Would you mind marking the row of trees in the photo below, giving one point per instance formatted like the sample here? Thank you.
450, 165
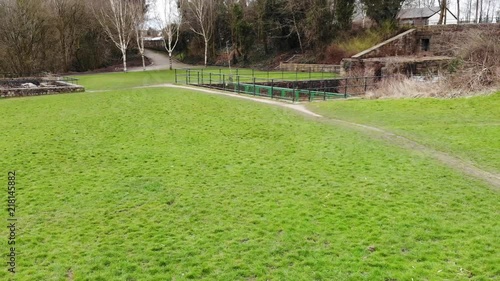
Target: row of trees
271, 24
75, 35
67, 35
280, 25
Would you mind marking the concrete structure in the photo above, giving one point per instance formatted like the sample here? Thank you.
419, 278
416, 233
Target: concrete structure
421, 51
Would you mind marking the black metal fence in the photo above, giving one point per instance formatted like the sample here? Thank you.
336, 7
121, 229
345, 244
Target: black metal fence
303, 87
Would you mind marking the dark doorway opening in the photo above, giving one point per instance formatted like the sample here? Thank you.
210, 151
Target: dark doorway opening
425, 44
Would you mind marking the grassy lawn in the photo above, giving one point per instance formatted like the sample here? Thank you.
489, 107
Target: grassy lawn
467, 127
120, 80
159, 184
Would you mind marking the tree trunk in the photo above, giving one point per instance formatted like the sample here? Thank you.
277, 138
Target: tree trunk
206, 52
143, 62
481, 12
124, 57
477, 11
170, 59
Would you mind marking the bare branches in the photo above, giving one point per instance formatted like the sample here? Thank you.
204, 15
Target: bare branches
170, 21
203, 24
117, 19
138, 24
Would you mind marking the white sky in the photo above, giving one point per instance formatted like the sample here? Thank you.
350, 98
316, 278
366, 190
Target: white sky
157, 9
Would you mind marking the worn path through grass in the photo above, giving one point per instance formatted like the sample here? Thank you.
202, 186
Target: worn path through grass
493, 178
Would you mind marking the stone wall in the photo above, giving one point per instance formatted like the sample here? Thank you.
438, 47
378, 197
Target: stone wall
421, 51
310, 67
59, 87
442, 38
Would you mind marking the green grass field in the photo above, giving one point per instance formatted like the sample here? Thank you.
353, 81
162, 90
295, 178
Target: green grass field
466, 127
169, 184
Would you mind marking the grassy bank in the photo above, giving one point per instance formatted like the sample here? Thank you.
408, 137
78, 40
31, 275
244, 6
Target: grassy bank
163, 184
467, 127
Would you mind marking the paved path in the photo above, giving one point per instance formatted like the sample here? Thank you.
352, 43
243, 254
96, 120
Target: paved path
466, 167
160, 60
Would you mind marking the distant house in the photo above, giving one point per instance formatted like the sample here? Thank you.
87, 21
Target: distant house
424, 16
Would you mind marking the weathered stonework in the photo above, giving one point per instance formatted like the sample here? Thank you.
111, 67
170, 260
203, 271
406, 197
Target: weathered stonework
8, 88
443, 37
299, 67
421, 51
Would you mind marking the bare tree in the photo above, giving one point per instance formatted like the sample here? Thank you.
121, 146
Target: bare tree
23, 34
296, 10
68, 20
443, 10
203, 24
139, 22
170, 21
116, 17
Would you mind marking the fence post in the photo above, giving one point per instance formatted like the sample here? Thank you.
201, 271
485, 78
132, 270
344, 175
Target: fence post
175, 71
345, 88
272, 88
309, 73
198, 77
202, 76
324, 90
210, 79
365, 84
253, 72
254, 88
187, 76
224, 81
236, 71
238, 79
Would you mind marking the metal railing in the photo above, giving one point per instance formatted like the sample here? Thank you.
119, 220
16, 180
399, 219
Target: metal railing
301, 88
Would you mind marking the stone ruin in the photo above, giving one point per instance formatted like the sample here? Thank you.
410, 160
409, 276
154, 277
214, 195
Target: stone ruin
36, 86
423, 51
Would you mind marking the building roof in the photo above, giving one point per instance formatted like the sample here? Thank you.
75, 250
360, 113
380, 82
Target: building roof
153, 38
414, 13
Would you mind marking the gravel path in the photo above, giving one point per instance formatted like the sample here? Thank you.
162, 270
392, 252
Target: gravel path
160, 60
466, 167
